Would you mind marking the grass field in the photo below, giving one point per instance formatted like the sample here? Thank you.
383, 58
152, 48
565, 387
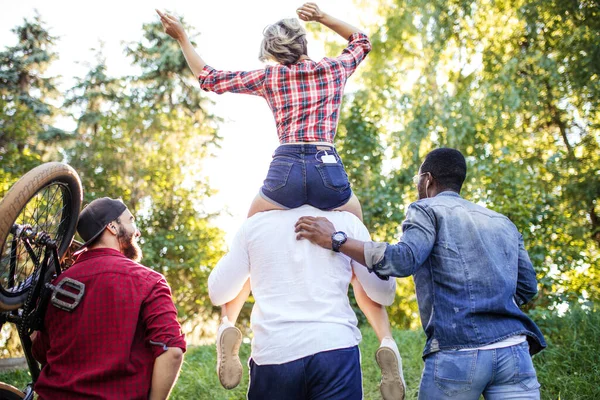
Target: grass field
568, 370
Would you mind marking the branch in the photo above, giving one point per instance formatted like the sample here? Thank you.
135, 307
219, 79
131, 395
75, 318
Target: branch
555, 114
595, 224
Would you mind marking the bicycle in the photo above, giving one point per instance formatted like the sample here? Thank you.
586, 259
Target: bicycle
38, 218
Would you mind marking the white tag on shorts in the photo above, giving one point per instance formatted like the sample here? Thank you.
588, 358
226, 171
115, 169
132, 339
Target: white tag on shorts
329, 159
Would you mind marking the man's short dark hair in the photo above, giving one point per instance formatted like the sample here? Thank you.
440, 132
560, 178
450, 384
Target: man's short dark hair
448, 167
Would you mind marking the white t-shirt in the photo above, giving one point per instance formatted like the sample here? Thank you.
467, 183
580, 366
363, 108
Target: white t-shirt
510, 341
300, 289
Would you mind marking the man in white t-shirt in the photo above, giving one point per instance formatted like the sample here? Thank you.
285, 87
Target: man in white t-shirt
306, 338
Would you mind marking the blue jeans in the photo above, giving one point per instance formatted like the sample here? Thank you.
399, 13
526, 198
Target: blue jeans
298, 175
333, 375
498, 374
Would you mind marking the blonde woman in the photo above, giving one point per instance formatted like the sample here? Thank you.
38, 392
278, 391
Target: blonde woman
305, 98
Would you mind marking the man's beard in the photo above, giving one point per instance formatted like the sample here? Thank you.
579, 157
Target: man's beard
129, 246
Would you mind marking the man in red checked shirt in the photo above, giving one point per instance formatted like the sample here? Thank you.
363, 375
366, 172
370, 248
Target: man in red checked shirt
122, 341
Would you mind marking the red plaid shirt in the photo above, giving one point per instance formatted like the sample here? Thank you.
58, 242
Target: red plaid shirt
105, 348
305, 97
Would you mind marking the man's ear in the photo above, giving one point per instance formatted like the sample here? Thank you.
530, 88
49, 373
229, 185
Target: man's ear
112, 228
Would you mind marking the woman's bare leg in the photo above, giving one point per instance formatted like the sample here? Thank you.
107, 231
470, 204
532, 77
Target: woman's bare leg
388, 357
375, 312
229, 340
352, 206
232, 309
260, 204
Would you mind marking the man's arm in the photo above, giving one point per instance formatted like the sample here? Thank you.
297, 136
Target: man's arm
174, 29
163, 335
526, 279
318, 230
165, 373
399, 260
227, 279
311, 12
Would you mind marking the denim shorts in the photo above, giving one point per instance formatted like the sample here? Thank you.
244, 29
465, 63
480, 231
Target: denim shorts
298, 175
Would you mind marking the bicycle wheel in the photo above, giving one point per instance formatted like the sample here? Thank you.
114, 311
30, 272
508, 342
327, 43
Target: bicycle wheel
9, 392
48, 199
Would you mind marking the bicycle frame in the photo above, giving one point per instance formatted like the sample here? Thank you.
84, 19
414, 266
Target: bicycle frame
30, 317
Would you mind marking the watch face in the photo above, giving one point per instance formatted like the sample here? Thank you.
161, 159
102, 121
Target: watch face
338, 236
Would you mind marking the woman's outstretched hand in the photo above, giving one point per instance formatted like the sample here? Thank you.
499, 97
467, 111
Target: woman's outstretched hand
172, 26
309, 12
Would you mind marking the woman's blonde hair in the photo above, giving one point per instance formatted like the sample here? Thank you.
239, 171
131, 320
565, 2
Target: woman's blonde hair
283, 42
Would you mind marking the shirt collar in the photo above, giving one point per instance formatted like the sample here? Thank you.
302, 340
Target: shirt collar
448, 193
99, 252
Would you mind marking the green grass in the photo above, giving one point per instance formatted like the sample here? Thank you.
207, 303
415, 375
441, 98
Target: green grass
568, 370
19, 378
199, 380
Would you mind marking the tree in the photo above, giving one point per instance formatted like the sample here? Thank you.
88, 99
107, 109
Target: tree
514, 86
26, 112
143, 138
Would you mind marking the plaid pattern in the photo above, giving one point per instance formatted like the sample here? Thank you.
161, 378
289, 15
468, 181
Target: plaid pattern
105, 348
305, 97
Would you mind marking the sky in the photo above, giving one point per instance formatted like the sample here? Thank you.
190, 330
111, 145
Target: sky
230, 35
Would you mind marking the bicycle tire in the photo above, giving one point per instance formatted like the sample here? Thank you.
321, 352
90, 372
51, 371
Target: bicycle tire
9, 392
17, 203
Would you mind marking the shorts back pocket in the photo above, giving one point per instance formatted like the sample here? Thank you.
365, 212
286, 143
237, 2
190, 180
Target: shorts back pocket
278, 174
334, 176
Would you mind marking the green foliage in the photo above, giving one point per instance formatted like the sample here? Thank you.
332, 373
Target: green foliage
569, 367
26, 134
18, 378
514, 86
142, 138
183, 246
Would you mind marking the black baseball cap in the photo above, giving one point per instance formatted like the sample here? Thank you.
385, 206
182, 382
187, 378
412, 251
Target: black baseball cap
94, 218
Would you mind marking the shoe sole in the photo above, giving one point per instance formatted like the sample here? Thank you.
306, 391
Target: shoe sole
230, 369
391, 386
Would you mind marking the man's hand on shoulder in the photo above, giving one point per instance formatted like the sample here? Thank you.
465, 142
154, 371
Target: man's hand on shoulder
318, 230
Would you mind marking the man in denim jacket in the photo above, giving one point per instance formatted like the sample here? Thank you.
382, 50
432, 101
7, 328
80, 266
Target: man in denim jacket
471, 273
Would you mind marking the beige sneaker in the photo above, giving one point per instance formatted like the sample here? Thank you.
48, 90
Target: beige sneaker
392, 384
229, 367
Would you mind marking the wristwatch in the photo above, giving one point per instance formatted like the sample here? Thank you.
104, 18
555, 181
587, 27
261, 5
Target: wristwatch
337, 240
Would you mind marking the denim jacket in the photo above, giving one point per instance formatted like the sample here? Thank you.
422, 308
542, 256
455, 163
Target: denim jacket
471, 273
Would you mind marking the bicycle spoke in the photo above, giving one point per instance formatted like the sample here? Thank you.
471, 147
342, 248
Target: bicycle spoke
49, 203
45, 212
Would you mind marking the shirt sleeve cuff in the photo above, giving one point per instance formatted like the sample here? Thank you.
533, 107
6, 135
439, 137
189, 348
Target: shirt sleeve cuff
357, 36
204, 73
160, 347
374, 253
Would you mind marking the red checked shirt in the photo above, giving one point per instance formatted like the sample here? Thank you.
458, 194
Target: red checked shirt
305, 97
105, 348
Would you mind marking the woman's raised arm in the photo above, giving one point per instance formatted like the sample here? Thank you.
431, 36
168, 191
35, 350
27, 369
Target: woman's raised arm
174, 29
